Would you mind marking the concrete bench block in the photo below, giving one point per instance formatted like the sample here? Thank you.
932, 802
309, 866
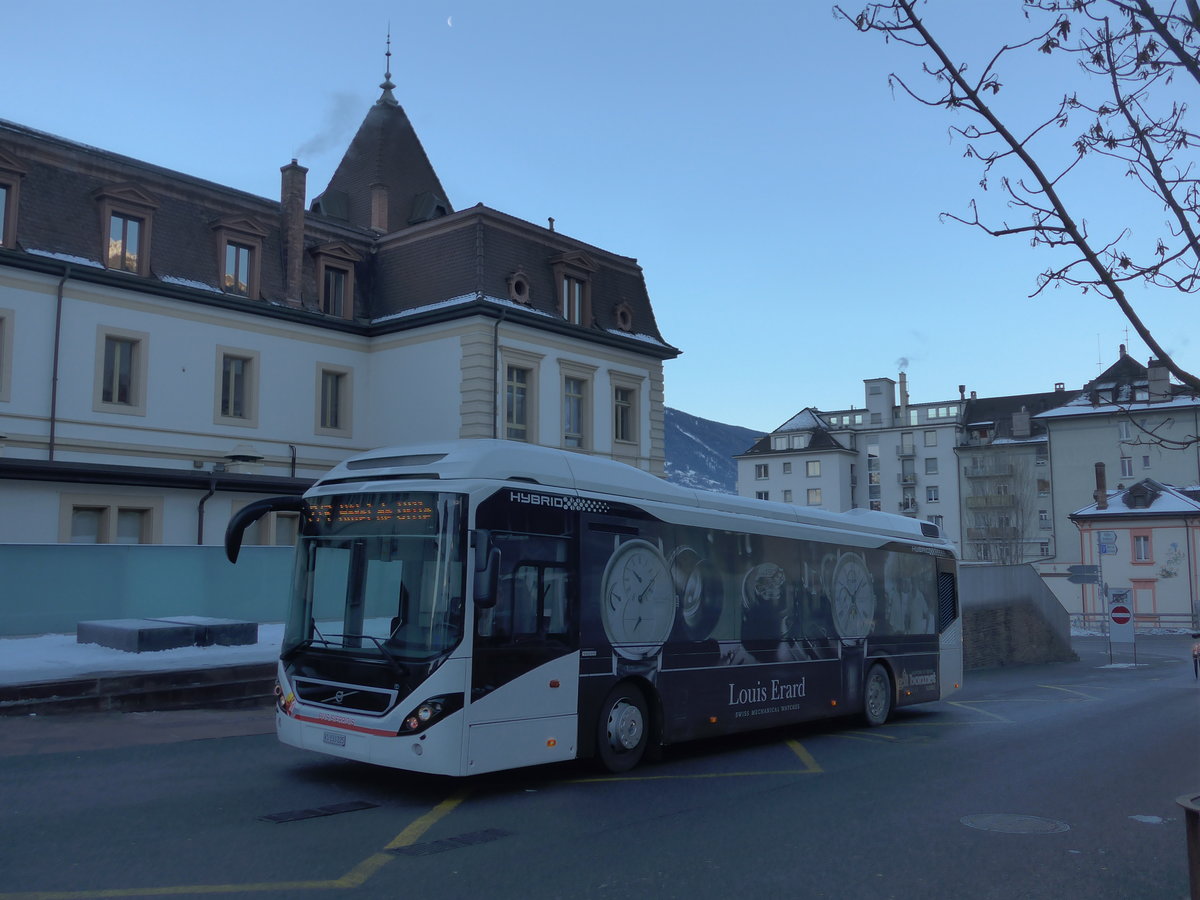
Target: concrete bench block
135, 635
223, 632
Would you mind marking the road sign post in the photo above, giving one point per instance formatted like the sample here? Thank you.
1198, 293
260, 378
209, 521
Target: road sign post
1121, 625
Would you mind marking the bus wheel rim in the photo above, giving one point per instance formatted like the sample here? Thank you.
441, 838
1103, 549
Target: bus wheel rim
624, 726
876, 695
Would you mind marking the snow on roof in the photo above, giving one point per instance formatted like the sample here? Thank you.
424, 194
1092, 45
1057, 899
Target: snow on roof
1164, 500
805, 420
1082, 406
189, 282
67, 257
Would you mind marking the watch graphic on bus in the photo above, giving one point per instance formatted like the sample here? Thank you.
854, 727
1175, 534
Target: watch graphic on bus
638, 599
853, 596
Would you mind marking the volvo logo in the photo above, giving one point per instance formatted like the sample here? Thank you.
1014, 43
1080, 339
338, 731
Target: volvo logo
340, 697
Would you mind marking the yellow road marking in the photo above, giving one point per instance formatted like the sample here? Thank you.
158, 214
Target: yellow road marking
1056, 687
356, 877
811, 767
967, 705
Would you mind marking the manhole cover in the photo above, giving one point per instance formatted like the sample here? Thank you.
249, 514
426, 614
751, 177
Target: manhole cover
1007, 823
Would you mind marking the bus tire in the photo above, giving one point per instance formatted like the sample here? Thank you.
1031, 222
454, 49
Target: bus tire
878, 696
623, 729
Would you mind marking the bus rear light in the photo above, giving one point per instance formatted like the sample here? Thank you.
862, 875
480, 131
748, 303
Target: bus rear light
554, 683
833, 703
552, 743
712, 720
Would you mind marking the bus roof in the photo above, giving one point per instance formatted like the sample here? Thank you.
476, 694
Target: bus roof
530, 464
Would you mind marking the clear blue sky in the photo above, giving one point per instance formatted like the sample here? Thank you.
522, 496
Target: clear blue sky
782, 202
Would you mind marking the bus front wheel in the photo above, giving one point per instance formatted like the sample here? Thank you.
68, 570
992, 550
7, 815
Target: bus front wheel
878, 692
622, 731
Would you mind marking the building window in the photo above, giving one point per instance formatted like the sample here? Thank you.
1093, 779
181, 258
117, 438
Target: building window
110, 520
237, 387
762, 495
761, 471
236, 277
120, 384
335, 278
1126, 466
1043, 487
812, 468
124, 242
7, 317
814, 496
931, 493
1142, 552
787, 468
516, 403
574, 411
1044, 548
876, 418
936, 520
1146, 461
931, 438
333, 291
931, 465
623, 416
1043, 518
572, 299
5, 215
333, 400
126, 216
787, 496
239, 245
1124, 431
572, 276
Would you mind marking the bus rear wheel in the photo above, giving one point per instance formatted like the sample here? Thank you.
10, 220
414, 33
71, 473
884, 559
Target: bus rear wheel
877, 707
622, 730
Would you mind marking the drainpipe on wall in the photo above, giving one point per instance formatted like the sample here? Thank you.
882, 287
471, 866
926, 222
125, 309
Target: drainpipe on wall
292, 449
212, 489
54, 366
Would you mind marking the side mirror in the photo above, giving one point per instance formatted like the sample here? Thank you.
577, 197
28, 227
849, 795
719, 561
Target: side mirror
487, 570
251, 513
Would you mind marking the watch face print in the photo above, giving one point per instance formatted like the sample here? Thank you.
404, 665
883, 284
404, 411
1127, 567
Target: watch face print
853, 596
638, 600
699, 603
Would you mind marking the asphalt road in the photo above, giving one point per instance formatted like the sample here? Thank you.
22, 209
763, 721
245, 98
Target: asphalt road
1053, 781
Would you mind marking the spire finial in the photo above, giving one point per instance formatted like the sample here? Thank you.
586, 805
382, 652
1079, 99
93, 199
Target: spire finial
387, 86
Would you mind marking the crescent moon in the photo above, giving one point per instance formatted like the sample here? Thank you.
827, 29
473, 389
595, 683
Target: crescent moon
449, 21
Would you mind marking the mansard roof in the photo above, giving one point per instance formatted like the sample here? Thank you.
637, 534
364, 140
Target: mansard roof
459, 263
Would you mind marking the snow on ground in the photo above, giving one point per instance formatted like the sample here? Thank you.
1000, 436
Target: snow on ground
54, 657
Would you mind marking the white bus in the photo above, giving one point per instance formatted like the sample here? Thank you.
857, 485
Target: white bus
480, 605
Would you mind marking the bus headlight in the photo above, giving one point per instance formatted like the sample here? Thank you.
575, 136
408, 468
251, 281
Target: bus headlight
429, 711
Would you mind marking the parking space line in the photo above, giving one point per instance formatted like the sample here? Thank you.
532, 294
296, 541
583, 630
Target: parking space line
356, 877
969, 705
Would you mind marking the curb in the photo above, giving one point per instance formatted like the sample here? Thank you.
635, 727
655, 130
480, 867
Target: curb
224, 687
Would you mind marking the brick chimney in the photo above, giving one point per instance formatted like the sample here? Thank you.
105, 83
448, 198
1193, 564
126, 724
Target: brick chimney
292, 209
1159, 381
1100, 495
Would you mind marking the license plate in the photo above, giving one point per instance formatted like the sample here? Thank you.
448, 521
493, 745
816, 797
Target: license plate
336, 738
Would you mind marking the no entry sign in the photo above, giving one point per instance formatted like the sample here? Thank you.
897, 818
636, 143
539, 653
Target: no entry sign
1120, 623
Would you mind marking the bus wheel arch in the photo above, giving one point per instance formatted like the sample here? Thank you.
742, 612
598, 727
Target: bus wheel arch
879, 693
625, 727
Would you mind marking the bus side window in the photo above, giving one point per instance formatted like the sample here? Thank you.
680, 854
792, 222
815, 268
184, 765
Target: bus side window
539, 601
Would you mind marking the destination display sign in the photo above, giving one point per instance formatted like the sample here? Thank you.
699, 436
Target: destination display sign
392, 512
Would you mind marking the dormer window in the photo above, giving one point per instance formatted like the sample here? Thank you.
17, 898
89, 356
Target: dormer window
239, 245
335, 278
572, 277
126, 216
10, 182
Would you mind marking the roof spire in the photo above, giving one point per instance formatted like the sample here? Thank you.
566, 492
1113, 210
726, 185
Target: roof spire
388, 98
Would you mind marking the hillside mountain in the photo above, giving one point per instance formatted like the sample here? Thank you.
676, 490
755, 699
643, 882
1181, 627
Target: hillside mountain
700, 452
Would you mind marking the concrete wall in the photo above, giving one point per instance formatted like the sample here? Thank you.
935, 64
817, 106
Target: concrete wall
1011, 618
48, 588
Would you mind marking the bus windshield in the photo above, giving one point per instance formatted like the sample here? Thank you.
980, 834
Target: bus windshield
379, 574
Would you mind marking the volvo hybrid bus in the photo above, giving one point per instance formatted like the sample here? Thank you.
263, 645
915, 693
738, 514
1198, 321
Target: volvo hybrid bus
480, 605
